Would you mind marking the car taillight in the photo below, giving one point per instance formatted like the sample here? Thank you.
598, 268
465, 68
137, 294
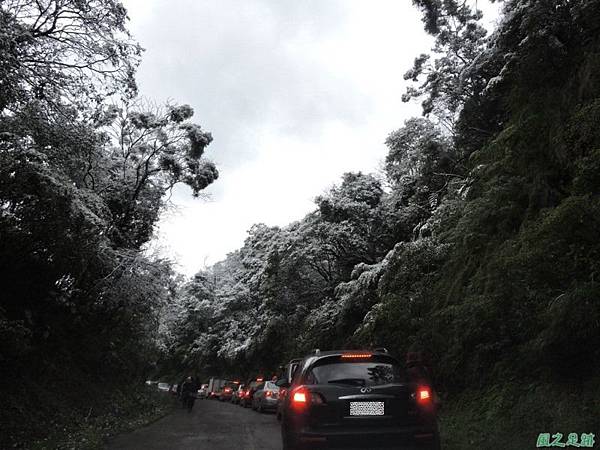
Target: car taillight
424, 395
227, 390
268, 394
302, 397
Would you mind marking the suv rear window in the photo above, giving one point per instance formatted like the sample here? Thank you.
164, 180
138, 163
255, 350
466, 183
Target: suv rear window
355, 373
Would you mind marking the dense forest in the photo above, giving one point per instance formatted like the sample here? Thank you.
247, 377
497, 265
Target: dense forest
478, 244
84, 168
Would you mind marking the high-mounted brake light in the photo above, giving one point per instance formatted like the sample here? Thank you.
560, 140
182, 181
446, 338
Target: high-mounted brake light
355, 355
260, 380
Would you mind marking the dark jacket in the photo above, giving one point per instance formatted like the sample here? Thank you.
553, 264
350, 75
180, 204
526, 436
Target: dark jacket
189, 388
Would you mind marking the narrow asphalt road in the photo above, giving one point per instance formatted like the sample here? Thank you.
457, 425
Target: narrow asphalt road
212, 425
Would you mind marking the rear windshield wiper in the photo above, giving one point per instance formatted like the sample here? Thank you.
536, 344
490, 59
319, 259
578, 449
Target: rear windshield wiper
354, 381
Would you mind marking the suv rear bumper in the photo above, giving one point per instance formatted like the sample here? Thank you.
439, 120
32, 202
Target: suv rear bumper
405, 438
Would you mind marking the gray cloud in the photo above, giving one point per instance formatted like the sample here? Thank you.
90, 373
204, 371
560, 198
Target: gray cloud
243, 65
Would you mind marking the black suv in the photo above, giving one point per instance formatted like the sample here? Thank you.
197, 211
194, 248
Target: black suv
357, 399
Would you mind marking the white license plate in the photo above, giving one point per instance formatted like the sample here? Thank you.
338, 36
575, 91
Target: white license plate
367, 408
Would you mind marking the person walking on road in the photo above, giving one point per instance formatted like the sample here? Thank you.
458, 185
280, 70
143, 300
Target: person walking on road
188, 393
179, 393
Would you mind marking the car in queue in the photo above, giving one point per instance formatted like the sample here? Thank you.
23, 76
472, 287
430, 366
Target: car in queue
358, 399
226, 391
287, 374
238, 393
165, 387
266, 396
203, 391
214, 387
251, 387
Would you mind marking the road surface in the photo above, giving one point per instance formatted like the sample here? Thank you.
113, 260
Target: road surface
212, 425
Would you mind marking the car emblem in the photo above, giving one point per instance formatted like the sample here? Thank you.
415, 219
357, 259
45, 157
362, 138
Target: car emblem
365, 390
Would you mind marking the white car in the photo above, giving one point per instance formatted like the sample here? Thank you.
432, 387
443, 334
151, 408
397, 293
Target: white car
164, 387
202, 391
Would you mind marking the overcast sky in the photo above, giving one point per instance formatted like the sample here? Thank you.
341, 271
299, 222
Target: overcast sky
295, 93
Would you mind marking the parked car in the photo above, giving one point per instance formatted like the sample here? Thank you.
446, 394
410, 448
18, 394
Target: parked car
166, 387
265, 397
358, 399
238, 393
251, 387
203, 391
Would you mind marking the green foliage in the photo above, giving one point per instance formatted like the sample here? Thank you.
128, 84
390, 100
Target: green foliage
149, 149
570, 341
73, 51
510, 415
59, 421
84, 168
449, 78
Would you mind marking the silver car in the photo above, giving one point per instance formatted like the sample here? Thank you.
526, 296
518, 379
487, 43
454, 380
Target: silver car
265, 397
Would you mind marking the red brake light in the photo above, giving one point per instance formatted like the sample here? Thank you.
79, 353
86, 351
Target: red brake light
355, 355
423, 395
260, 380
268, 393
227, 390
300, 397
